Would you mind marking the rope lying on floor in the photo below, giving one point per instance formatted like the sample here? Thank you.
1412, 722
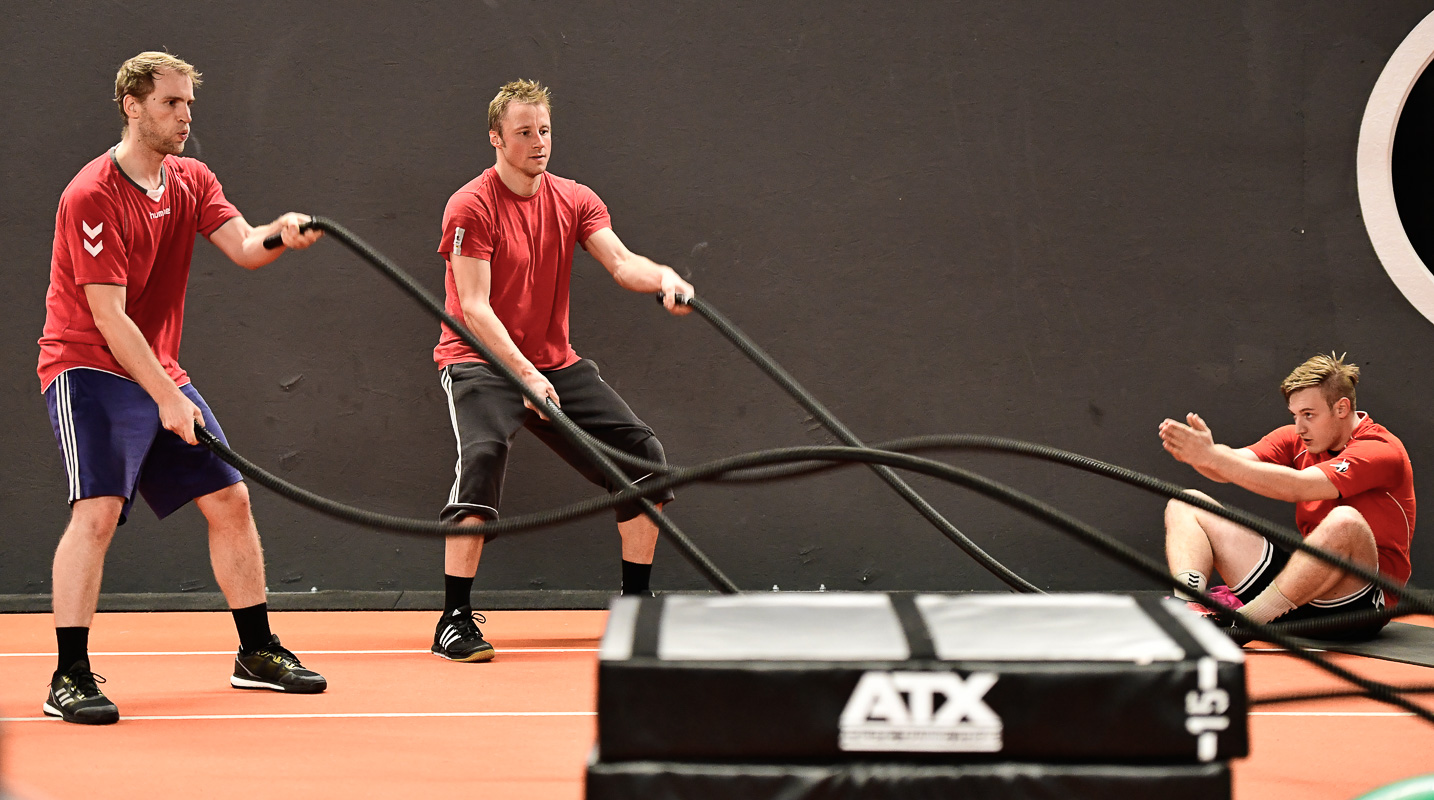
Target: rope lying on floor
741, 468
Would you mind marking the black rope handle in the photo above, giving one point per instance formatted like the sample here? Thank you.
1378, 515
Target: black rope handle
276, 240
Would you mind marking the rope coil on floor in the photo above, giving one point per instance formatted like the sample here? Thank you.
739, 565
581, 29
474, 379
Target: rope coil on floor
798, 461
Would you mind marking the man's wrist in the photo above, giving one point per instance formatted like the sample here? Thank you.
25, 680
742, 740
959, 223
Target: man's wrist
1219, 456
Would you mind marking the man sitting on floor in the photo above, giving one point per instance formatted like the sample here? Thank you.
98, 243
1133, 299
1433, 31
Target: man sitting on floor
1353, 490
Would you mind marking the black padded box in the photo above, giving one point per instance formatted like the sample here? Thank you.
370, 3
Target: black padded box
657, 780
826, 677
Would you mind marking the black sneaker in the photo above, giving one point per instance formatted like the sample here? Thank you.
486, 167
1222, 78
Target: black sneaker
1238, 629
74, 697
458, 637
272, 666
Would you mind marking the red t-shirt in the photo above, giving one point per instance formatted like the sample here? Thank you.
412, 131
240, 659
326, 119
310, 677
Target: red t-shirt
109, 230
529, 243
1373, 476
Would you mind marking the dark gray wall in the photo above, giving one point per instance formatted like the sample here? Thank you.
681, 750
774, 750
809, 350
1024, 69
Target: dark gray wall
1056, 222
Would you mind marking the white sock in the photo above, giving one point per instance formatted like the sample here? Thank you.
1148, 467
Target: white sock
1271, 604
1194, 580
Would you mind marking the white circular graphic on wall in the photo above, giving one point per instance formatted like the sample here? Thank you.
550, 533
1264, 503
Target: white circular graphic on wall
1375, 159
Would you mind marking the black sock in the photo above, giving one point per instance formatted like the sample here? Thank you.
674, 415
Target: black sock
635, 577
74, 644
456, 592
253, 625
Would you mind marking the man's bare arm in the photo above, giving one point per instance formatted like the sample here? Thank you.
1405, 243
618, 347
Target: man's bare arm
244, 243
1194, 444
177, 412
638, 273
474, 280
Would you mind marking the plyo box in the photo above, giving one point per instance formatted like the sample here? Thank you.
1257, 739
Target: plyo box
831, 677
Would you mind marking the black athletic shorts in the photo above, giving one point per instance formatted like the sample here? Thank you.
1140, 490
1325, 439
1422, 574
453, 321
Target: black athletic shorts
1370, 598
487, 412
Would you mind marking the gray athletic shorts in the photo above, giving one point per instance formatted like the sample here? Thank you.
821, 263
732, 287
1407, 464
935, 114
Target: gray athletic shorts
487, 412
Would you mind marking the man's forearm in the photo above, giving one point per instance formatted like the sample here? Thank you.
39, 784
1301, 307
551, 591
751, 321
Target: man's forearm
1269, 480
639, 274
490, 331
130, 349
1212, 474
252, 253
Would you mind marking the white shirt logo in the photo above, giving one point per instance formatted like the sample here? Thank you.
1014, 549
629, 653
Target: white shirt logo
458, 242
899, 711
95, 247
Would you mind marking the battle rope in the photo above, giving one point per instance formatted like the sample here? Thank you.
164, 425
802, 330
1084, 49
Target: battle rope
831, 423
882, 459
574, 434
1111, 547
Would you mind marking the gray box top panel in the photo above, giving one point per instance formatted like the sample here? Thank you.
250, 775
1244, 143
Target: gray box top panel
830, 626
621, 627
1059, 627
1209, 637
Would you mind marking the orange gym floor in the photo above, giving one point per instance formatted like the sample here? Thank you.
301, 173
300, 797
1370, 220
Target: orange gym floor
397, 721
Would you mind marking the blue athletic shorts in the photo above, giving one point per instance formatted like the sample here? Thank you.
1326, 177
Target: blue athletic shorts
112, 443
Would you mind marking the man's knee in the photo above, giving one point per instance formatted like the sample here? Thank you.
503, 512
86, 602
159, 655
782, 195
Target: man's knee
94, 519
1179, 509
649, 448
1343, 528
228, 505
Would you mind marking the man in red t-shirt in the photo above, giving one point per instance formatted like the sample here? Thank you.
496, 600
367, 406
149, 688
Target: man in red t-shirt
122, 409
1353, 487
509, 237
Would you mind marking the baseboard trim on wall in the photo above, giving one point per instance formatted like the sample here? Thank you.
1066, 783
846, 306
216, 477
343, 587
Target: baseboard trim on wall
331, 600
353, 600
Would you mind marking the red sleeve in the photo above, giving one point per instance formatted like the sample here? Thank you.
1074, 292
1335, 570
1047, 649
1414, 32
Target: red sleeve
467, 228
214, 208
90, 226
592, 213
1365, 464
1279, 446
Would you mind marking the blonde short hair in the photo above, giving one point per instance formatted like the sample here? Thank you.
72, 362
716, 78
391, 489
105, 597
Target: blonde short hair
1335, 378
519, 91
136, 76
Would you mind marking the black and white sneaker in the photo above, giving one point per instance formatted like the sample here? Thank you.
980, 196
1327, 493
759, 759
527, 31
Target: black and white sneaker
74, 697
458, 638
272, 666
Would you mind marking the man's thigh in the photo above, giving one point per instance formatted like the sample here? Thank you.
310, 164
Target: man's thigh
598, 409
1241, 555
486, 411
105, 426
176, 472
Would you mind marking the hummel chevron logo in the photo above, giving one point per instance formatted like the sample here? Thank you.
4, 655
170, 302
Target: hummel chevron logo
95, 247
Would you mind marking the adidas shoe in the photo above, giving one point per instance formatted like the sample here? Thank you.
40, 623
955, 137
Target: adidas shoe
272, 666
74, 697
458, 638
